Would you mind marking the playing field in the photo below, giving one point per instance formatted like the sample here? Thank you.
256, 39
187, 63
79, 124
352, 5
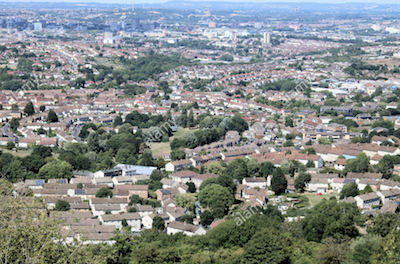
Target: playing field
315, 199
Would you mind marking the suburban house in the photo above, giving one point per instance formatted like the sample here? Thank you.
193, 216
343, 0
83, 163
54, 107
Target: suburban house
362, 183
340, 164
104, 180
388, 195
131, 170
318, 185
168, 183
101, 209
113, 172
366, 201
199, 179
179, 164
187, 229
183, 176
132, 219
389, 184
390, 206
338, 183
253, 182
122, 202
147, 220
119, 180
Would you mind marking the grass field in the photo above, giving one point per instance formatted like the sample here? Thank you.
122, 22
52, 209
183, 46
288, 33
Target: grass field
20, 153
315, 199
164, 147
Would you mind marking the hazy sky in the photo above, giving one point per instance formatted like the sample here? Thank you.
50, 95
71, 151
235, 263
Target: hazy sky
382, 2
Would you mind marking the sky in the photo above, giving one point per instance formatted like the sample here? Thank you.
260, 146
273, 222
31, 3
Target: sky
139, 2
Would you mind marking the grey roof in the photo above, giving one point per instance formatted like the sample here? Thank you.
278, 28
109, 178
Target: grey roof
119, 217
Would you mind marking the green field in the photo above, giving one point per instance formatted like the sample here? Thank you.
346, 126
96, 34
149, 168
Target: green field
315, 199
20, 153
164, 147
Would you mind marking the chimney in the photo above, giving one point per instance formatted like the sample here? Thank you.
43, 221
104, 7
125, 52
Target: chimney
108, 197
119, 213
92, 225
184, 223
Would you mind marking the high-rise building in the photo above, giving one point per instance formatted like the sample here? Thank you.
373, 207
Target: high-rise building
21, 37
108, 35
233, 35
135, 23
212, 24
267, 38
123, 24
235, 24
37, 26
113, 26
258, 24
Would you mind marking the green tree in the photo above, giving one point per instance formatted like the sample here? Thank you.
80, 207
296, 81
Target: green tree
185, 200
359, 165
29, 110
14, 124
323, 141
289, 122
117, 121
266, 246
184, 117
301, 181
103, 192
51, 117
187, 218
158, 223
190, 121
42, 151
267, 168
216, 197
254, 168
62, 205
383, 224
55, 170
349, 190
206, 218
367, 189
160, 162
177, 154
331, 219
310, 164
192, 187
80, 185
278, 182
156, 175
10, 145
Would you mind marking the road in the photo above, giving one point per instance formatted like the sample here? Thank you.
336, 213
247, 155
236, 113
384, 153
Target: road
75, 132
5, 130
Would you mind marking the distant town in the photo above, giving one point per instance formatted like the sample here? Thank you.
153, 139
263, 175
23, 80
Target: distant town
186, 132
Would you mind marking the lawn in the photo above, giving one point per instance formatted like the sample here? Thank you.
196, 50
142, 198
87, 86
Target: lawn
164, 147
181, 131
20, 153
315, 199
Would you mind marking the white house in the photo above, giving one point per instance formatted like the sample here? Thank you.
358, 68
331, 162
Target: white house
187, 229
183, 176
338, 183
147, 220
132, 219
367, 200
318, 185
101, 209
388, 195
254, 182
